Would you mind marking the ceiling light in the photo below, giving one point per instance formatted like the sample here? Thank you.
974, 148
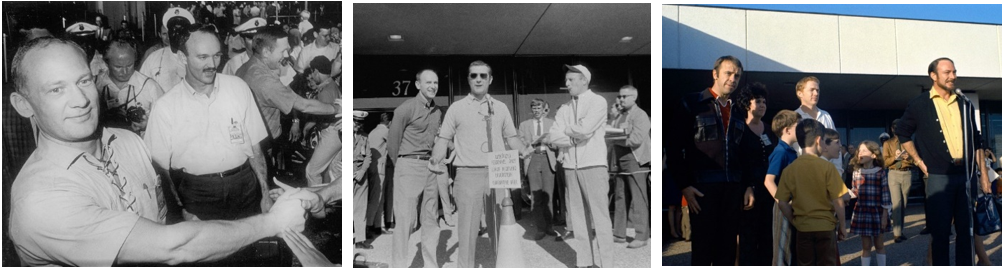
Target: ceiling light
626, 39
395, 38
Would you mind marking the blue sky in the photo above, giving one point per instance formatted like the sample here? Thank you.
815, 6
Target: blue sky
991, 14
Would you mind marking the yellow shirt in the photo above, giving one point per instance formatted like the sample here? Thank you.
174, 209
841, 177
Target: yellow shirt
950, 121
811, 183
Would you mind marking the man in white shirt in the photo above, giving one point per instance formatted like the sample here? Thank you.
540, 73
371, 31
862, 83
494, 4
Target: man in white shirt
322, 46
579, 134
165, 65
246, 31
808, 90
128, 95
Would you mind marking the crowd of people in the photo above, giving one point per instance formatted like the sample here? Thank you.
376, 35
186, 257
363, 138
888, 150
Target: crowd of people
175, 162
425, 164
789, 183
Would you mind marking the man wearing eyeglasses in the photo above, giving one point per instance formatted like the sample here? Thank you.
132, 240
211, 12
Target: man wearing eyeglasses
478, 124
632, 154
410, 142
578, 132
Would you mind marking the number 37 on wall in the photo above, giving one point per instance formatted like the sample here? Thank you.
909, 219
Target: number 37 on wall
401, 88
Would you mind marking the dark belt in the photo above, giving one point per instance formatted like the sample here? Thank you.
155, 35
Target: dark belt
539, 152
419, 157
903, 169
223, 174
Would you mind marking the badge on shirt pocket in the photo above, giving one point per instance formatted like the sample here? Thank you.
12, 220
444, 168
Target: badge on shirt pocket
237, 136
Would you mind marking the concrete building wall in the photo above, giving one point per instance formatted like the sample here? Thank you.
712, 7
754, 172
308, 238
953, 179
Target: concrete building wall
799, 42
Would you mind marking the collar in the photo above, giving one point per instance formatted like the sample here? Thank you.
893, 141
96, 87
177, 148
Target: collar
428, 103
716, 98
64, 156
192, 91
471, 99
934, 95
785, 146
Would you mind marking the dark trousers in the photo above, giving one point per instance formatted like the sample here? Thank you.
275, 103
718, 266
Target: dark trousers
816, 248
542, 181
631, 197
233, 196
715, 227
949, 203
756, 234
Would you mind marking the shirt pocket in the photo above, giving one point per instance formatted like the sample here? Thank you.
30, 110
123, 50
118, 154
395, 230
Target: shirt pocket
705, 128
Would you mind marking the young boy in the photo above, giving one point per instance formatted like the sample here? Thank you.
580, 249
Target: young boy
810, 194
784, 126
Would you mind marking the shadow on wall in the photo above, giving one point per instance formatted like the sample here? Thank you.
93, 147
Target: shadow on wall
692, 48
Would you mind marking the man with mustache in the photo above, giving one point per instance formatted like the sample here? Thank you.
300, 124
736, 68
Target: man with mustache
478, 125
89, 196
947, 146
705, 151
205, 132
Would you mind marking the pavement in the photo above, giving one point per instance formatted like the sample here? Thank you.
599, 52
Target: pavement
910, 252
545, 253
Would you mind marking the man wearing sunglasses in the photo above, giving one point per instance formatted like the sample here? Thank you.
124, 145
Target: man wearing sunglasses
478, 125
578, 132
632, 153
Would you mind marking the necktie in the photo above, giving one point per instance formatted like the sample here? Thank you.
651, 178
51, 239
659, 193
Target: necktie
537, 129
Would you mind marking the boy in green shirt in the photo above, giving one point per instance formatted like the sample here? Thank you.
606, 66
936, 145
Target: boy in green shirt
810, 195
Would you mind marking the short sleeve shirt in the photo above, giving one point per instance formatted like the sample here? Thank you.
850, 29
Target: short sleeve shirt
164, 67
69, 209
465, 124
811, 183
205, 134
274, 97
781, 156
312, 50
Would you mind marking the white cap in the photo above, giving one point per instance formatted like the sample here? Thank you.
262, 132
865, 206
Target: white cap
177, 12
579, 69
82, 28
251, 26
360, 115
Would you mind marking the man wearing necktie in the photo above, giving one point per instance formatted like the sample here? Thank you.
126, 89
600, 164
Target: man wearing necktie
579, 134
632, 155
539, 166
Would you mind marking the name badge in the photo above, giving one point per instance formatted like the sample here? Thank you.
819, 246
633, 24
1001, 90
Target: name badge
237, 136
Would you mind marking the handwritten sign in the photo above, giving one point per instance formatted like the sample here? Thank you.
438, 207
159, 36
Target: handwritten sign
504, 169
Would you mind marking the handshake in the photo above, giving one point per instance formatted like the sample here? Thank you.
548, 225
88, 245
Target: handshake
292, 206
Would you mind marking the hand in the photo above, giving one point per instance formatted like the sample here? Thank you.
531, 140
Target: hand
884, 221
295, 132
266, 203
749, 199
842, 234
690, 194
306, 253
275, 193
922, 166
287, 212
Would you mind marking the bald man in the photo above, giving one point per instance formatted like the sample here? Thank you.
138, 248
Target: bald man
125, 93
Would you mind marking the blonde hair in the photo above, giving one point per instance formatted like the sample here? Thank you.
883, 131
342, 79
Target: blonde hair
802, 82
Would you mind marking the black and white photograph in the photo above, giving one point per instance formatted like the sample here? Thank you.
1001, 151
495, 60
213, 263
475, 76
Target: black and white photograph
501, 135
174, 133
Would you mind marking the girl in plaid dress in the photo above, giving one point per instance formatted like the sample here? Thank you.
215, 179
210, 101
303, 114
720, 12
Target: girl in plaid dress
870, 217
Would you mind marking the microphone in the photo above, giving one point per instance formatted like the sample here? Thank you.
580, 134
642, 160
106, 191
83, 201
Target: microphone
961, 94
